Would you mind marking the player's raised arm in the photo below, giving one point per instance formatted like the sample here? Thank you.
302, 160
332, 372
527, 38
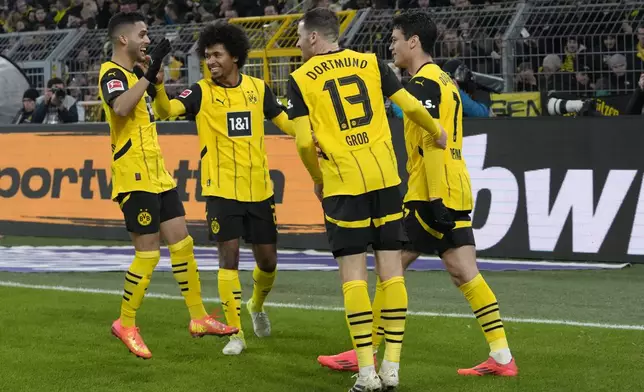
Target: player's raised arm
428, 92
275, 111
413, 109
299, 113
123, 98
188, 102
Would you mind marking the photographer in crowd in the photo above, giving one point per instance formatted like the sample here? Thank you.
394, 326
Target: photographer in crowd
636, 103
55, 106
467, 88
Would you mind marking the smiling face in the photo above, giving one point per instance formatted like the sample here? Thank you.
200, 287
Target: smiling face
400, 49
136, 40
219, 61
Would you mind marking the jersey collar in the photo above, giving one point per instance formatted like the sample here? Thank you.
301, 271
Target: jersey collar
241, 76
331, 52
427, 63
128, 70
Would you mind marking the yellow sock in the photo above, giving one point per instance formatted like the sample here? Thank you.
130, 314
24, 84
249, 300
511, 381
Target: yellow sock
378, 331
359, 319
230, 295
137, 280
263, 285
394, 314
486, 310
184, 269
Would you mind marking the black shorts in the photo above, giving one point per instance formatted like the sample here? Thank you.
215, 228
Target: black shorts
425, 239
144, 211
231, 219
355, 222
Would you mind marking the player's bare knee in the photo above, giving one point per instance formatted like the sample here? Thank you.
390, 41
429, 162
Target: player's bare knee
353, 267
389, 264
461, 264
266, 257
408, 257
146, 242
229, 254
174, 230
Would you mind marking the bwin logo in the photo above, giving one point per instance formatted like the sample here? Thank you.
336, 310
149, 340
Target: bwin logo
428, 104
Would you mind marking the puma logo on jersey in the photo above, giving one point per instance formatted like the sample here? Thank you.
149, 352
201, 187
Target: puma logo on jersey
220, 101
421, 82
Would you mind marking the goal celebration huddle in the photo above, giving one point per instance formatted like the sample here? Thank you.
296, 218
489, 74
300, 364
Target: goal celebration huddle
336, 114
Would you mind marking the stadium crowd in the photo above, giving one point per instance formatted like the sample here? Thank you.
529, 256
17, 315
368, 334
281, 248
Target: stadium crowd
590, 52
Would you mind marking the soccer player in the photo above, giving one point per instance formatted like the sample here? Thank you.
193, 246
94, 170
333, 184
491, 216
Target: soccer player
229, 110
413, 38
141, 184
339, 94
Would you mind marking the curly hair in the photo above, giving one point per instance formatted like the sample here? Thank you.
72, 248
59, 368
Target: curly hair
232, 37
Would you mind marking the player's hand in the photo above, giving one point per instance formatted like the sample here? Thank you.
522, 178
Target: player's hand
318, 189
442, 140
440, 219
156, 59
145, 66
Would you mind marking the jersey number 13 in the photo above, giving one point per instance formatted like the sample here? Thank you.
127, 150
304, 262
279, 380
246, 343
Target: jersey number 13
362, 98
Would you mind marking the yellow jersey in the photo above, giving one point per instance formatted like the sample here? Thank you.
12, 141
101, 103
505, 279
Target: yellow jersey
341, 92
439, 94
230, 123
137, 162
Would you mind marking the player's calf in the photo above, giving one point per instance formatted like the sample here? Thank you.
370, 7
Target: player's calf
263, 280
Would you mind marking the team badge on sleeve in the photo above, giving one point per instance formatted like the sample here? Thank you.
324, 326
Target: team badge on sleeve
185, 93
114, 85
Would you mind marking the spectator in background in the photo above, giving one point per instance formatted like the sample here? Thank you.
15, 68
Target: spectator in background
638, 62
583, 85
526, 79
636, 104
129, 6
55, 106
552, 79
42, 18
270, 10
573, 51
171, 14
23, 8
619, 79
24, 115
607, 47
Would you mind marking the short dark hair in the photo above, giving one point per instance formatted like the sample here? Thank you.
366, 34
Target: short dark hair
232, 37
324, 21
419, 24
121, 19
52, 81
